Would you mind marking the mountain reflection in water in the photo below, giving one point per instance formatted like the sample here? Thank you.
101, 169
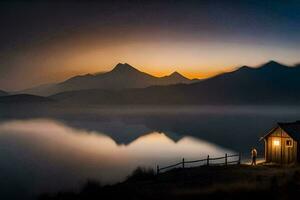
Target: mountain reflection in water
47, 155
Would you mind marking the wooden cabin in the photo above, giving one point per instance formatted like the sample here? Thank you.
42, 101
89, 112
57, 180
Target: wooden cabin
281, 143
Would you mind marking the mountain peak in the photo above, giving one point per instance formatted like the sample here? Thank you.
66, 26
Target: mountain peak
245, 67
175, 74
177, 77
124, 67
272, 61
272, 64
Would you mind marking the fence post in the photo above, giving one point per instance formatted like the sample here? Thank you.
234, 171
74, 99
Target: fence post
183, 163
207, 162
225, 159
157, 169
240, 155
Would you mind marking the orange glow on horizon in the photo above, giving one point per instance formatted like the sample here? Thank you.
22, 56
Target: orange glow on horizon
57, 62
191, 75
187, 74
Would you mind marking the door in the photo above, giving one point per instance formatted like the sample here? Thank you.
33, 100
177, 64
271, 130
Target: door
275, 146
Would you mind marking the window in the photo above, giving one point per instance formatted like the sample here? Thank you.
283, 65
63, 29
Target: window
289, 143
276, 142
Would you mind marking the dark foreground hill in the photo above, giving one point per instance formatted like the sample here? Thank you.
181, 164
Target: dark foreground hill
232, 182
271, 83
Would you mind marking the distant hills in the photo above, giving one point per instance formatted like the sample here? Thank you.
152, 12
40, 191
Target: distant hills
24, 99
123, 76
3, 93
271, 83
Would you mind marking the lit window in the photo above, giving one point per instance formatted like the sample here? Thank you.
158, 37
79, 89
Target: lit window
289, 143
276, 142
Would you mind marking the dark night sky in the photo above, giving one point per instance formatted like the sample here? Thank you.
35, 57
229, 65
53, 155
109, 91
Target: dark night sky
44, 41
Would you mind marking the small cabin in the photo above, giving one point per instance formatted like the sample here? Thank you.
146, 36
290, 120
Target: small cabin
281, 143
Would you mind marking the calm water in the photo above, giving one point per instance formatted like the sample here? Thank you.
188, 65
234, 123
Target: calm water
46, 155
60, 149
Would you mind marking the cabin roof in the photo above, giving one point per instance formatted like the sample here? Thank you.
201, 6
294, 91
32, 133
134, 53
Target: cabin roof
291, 128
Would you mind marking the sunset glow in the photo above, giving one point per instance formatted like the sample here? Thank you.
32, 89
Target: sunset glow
199, 40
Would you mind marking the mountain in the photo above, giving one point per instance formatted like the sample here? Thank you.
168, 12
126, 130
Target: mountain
24, 99
175, 78
270, 83
3, 93
41, 90
122, 76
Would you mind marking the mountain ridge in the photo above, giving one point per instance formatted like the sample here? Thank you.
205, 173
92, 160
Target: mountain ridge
24, 99
122, 76
270, 83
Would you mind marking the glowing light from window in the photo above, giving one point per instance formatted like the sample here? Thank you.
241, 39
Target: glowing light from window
276, 143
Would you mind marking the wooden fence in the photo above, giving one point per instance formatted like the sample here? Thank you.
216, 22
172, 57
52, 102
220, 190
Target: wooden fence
205, 160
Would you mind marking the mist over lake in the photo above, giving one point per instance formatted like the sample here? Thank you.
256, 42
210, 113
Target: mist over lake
67, 146
33, 151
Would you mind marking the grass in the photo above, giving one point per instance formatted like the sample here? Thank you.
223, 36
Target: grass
219, 182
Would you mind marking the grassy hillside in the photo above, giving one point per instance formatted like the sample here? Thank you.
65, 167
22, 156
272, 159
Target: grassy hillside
232, 182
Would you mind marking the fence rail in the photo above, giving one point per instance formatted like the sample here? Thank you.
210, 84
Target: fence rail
208, 163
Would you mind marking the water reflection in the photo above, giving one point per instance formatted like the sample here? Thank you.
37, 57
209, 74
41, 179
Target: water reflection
47, 155
235, 127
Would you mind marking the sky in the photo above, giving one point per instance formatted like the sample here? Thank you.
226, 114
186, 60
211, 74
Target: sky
50, 41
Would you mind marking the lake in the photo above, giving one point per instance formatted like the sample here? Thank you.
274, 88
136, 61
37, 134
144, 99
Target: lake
46, 150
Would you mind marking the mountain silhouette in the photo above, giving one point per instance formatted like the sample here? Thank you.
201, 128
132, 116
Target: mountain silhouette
24, 99
175, 78
3, 93
122, 76
270, 83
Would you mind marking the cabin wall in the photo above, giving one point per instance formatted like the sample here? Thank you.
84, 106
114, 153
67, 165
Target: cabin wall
278, 150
